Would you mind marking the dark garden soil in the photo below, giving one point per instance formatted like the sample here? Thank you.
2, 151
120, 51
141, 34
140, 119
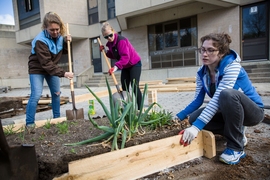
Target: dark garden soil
53, 156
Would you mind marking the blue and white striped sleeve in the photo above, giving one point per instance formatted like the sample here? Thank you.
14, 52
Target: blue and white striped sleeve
228, 81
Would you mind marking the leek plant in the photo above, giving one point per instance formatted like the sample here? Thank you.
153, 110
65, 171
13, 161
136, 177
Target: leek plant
124, 117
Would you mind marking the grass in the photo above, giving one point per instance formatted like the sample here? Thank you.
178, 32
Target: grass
48, 124
62, 127
9, 130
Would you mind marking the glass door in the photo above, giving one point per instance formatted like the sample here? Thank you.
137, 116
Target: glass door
96, 59
255, 31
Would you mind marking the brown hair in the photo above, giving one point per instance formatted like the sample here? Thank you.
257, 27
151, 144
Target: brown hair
105, 26
220, 40
52, 17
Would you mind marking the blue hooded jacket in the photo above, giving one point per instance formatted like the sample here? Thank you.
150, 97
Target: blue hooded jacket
229, 75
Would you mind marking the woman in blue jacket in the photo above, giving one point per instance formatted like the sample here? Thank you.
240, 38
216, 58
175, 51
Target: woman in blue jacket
47, 49
234, 101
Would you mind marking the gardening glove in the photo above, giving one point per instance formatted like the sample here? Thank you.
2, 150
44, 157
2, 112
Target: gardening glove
112, 70
101, 48
188, 135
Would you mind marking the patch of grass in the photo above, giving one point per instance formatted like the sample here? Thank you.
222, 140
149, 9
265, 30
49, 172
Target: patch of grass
9, 130
73, 151
48, 124
74, 123
162, 118
62, 127
21, 133
41, 137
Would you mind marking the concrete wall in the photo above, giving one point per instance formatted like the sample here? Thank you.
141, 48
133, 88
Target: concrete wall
73, 12
222, 20
14, 59
139, 39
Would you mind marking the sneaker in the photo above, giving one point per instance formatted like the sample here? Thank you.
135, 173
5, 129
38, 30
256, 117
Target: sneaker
244, 136
231, 157
30, 128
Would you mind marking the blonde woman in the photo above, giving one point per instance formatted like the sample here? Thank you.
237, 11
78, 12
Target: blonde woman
47, 49
128, 60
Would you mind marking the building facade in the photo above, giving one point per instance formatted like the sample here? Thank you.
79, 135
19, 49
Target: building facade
166, 33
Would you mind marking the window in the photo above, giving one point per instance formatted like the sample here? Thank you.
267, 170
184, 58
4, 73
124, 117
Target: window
171, 35
29, 13
173, 44
93, 11
111, 9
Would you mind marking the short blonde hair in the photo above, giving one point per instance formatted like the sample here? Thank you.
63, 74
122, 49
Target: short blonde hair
52, 17
106, 26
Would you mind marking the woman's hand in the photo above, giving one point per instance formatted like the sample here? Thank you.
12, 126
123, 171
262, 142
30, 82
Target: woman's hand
68, 38
69, 75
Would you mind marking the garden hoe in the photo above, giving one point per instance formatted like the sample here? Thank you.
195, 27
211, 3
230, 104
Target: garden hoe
17, 162
120, 94
74, 113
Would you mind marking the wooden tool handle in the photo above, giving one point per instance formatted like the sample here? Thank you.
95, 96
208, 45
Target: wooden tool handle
69, 61
108, 63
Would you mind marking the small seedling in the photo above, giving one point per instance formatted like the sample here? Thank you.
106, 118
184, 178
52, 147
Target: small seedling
74, 123
73, 151
48, 124
41, 137
21, 134
62, 127
9, 130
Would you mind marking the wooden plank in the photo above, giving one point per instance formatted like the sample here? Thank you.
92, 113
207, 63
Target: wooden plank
141, 160
181, 80
188, 85
209, 144
142, 83
89, 96
44, 101
40, 123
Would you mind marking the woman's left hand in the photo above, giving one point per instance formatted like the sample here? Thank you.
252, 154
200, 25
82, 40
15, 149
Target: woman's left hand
188, 135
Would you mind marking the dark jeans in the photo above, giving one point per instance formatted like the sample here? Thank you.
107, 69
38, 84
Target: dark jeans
127, 77
236, 110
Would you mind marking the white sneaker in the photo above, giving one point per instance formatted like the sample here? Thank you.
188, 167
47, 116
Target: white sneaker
231, 157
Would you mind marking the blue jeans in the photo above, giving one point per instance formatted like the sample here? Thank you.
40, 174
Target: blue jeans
235, 111
36, 84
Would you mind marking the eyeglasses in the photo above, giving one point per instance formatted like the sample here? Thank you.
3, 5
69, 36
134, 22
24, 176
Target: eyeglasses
208, 51
110, 35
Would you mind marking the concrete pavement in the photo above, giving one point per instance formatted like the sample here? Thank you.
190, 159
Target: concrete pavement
170, 101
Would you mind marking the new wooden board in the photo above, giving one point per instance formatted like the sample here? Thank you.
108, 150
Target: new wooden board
40, 123
141, 160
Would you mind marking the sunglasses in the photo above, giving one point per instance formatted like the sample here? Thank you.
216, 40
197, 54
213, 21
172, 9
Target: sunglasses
110, 35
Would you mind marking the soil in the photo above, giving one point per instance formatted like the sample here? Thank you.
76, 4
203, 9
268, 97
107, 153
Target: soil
53, 156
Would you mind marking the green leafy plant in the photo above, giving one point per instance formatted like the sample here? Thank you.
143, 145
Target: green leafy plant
73, 151
48, 124
41, 137
62, 127
161, 118
124, 118
9, 130
21, 134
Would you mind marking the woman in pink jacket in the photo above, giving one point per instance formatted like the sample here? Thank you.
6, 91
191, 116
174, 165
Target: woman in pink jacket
128, 60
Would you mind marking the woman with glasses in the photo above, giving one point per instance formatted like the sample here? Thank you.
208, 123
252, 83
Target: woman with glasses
47, 49
234, 101
128, 60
